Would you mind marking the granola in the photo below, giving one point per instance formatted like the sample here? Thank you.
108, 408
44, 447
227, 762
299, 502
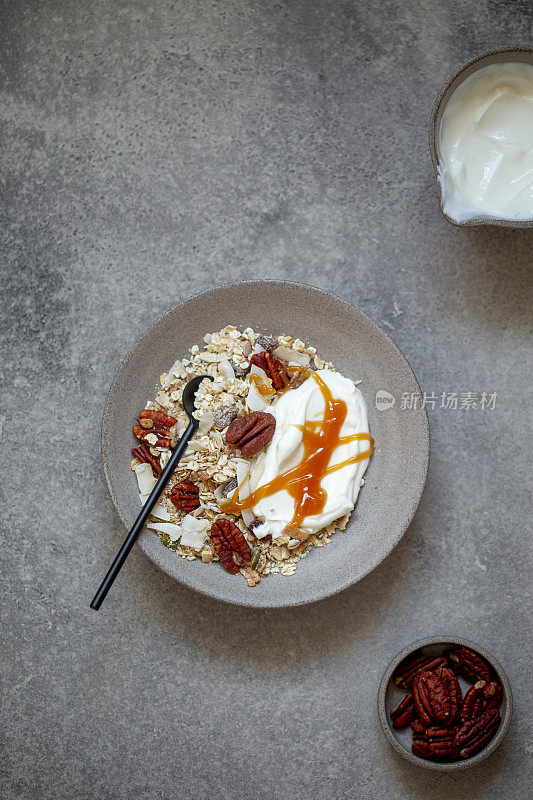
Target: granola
212, 464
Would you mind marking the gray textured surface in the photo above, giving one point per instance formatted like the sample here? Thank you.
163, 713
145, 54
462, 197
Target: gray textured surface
150, 151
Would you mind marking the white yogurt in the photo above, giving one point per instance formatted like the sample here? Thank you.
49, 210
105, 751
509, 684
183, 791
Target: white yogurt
285, 451
486, 145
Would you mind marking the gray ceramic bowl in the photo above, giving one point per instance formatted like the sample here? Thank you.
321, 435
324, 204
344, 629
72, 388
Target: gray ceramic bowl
500, 56
389, 696
360, 349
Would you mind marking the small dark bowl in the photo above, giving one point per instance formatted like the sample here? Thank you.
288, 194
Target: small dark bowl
500, 56
389, 695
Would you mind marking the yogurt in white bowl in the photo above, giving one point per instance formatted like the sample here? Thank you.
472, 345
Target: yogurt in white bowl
481, 140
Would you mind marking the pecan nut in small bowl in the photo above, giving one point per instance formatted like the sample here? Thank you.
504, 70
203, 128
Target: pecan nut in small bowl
252, 433
479, 698
409, 669
469, 664
475, 733
433, 715
186, 496
435, 743
436, 696
229, 543
405, 713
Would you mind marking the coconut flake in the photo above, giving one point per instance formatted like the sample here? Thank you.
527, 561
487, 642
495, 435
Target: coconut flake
145, 478
248, 516
243, 472
198, 447
164, 456
206, 422
255, 370
257, 471
158, 510
191, 524
226, 370
173, 530
291, 356
219, 493
254, 400
260, 531
194, 532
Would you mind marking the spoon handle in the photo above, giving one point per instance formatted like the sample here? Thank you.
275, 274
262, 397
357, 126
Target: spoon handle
139, 523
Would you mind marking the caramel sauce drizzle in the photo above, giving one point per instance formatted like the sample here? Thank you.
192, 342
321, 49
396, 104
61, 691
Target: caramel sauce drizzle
263, 388
302, 482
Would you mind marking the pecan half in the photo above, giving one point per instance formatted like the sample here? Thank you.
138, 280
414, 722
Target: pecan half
273, 367
227, 539
436, 696
406, 672
475, 733
435, 743
404, 714
143, 454
186, 496
251, 433
493, 694
469, 664
155, 423
479, 698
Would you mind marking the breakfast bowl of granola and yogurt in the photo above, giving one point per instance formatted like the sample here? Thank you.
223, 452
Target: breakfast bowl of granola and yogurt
296, 483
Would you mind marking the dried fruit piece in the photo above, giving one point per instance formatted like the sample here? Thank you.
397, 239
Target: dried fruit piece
227, 539
224, 416
475, 733
251, 433
435, 743
273, 367
404, 714
268, 343
409, 668
186, 496
143, 454
155, 428
436, 696
470, 664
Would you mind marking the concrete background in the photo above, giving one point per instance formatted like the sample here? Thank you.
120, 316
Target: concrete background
153, 150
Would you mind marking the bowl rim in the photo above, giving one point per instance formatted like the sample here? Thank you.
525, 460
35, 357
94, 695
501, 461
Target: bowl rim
433, 146
450, 765
106, 467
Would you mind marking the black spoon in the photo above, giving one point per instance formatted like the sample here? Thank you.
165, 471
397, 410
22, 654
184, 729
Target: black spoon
189, 393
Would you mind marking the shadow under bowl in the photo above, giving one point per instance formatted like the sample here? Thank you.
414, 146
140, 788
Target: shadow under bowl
522, 55
389, 696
